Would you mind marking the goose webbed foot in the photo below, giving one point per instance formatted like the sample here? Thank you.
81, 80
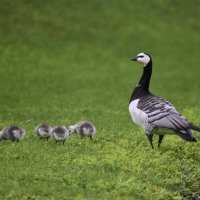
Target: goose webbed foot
150, 137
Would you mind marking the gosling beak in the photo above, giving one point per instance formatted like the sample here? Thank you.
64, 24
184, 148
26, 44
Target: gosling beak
134, 59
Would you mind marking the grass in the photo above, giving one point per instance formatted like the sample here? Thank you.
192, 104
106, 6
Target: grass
64, 61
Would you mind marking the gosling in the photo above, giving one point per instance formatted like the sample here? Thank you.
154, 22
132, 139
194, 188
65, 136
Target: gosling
43, 131
60, 133
13, 133
84, 129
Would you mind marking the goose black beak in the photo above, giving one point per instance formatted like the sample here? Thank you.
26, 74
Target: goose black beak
134, 59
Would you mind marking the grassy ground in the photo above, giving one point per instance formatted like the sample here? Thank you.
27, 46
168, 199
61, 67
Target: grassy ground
64, 61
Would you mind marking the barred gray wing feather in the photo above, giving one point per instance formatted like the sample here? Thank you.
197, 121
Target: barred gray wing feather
161, 113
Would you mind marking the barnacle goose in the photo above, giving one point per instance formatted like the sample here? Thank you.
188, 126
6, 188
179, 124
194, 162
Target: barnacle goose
13, 133
60, 133
84, 129
43, 131
155, 114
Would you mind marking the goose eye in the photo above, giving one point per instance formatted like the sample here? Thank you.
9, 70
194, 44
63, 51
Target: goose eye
140, 56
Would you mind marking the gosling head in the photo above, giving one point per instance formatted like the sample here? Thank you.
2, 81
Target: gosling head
72, 129
142, 58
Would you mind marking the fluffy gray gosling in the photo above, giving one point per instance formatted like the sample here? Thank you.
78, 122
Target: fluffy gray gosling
13, 133
84, 129
43, 131
60, 133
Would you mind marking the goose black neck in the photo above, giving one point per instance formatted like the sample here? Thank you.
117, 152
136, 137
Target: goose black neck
146, 76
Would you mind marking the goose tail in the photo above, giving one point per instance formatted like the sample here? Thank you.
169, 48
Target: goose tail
186, 136
196, 128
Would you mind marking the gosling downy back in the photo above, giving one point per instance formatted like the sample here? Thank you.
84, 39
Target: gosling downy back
13, 133
60, 133
43, 131
84, 129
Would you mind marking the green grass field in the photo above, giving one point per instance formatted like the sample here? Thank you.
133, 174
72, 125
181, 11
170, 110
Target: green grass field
65, 61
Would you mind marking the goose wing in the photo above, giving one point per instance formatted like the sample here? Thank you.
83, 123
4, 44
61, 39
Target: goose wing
162, 114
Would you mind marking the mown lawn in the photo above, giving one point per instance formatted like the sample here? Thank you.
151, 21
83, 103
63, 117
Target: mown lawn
65, 61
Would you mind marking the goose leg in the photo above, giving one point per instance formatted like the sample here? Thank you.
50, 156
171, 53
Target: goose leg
160, 140
150, 137
91, 138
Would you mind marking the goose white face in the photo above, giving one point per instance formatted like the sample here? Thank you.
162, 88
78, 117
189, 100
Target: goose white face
142, 58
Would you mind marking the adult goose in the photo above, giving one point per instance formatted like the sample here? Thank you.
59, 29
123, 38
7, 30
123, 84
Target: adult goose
154, 114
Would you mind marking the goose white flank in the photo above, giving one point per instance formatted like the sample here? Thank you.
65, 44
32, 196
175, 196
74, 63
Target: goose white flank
13, 133
154, 114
